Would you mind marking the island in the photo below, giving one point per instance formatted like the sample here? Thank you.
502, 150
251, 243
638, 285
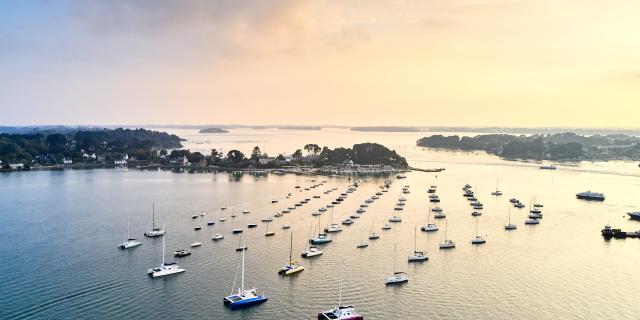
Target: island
213, 130
387, 129
560, 146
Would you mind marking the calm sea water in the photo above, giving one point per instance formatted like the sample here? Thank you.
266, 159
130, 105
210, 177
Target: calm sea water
60, 230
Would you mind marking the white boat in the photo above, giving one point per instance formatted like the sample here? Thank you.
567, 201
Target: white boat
166, 268
509, 225
293, 266
447, 243
402, 199
131, 242
386, 226
478, 239
397, 277
497, 192
286, 226
217, 236
332, 227
439, 215
323, 209
417, 256
195, 242
154, 232
267, 219
347, 221
429, 227
362, 244
588, 195
395, 219
312, 251
244, 298
340, 312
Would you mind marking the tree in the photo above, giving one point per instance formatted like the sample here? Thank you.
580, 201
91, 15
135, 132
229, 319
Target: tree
297, 154
280, 157
235, 156
56, 142
256, 153
316, 149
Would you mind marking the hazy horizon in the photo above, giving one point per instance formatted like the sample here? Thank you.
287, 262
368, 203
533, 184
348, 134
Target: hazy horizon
467, 63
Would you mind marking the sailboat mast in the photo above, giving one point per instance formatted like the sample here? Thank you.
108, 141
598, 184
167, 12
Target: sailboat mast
290, 248
476, 227
341, 281
394, 258
509, 215
415, 239
128, 229
153, 216
446, 223
163, 250
242, 280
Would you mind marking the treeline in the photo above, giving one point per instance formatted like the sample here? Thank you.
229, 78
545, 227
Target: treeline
51, 148
313, 155
561, 146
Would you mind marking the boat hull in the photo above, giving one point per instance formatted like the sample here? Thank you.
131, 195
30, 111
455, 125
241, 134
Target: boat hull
244, 303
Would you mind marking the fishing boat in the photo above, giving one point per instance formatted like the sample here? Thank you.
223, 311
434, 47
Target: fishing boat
293, 266
244, 298
166, 268
447, 243
509, 225
340, 312
131, 242
267, 232
398, 277
417, 256
478, 239
154, 232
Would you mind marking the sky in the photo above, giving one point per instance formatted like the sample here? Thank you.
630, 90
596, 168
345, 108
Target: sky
515, 63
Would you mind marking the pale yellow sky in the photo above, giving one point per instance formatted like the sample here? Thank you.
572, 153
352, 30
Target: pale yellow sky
458, 62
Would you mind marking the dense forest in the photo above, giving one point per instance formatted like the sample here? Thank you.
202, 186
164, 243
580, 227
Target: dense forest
50, 148
561, 146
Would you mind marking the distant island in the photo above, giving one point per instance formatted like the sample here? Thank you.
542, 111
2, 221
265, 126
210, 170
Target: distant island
213, 130
560, 146
299, 128
387, 129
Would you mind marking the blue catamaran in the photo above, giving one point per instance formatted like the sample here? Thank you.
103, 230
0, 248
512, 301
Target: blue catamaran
244, 298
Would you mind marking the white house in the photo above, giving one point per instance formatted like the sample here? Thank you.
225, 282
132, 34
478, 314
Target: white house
67, 160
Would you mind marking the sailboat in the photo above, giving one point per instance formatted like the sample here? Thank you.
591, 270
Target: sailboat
373, 235
398, 276
478, 239
509, 225
222, 217
321, 238
131, 242
362, 244
340, 312
417, 255
429, 227
332, 227
154, 232
447, 243
267, 233
244, 298
293, 266
497, 192
166, 268
195, 243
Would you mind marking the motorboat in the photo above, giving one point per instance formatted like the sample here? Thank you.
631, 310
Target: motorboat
286, 226
395, 219
634, 215
334, 227
237, 230
532, 221
347, 221
588, 195
267, 219
181, 253
386, 226
476, 213
252, 225
321, 238
217, 236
